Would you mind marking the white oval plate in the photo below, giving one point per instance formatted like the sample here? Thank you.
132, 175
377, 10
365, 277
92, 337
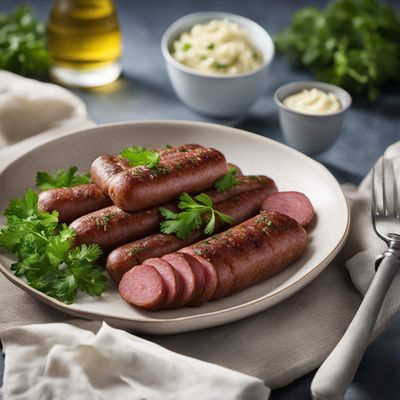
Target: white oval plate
255, 154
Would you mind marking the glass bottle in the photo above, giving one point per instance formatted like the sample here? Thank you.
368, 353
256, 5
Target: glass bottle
84, 42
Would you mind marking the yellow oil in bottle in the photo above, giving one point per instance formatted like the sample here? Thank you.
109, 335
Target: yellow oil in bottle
84, 42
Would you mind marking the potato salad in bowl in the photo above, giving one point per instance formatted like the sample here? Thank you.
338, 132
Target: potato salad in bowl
217, 47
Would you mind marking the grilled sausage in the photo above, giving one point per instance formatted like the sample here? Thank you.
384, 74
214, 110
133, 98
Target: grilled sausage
111, 227
106, 166
140, 188
256, 249
239, 207
72, 202
253, 251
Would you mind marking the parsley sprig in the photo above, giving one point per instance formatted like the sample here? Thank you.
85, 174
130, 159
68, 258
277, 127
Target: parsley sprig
23, 43
351, 43
190, 219
137, 155
227, 181
45, 256
63, 178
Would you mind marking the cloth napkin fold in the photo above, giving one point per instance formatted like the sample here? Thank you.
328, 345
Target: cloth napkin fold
75, 363
277, 345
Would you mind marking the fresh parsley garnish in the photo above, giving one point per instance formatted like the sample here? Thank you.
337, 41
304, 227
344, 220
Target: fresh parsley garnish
227, 181
45, 256
63, 178
23, 43
190, 219
137, 155
351, 43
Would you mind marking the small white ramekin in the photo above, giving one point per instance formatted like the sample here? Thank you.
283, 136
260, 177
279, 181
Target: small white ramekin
217, 95
309, 133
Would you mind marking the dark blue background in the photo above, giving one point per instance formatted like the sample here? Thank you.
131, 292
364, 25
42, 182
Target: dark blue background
144, 92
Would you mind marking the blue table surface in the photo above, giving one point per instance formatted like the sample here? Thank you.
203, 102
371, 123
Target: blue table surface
144, 92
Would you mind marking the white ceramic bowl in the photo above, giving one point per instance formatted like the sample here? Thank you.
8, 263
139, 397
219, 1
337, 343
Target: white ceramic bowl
217, 95
311, 134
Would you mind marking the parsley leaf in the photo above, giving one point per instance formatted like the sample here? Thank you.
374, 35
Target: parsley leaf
137, 155
227, 181
45, 257
190, 219
63, 178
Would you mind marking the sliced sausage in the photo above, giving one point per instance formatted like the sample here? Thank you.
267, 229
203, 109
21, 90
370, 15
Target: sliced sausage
256, 249
210, 276
226, 279
171, 279
123, 258
200, 274
144, 287
252, 251
295, 204
73, 202
139, 188
188, 277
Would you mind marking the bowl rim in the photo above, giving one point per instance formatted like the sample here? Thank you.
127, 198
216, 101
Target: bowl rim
211, 15
324, 86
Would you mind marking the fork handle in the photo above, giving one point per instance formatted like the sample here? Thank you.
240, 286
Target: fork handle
337, 372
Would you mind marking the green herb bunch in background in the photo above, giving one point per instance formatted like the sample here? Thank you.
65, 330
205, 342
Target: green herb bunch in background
352, 43
23, 43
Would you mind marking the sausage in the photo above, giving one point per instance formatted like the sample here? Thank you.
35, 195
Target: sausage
295, 204
144, 287
72, 202
140, 188
123, 258
244, 184
111, 227
254, 250
106, 166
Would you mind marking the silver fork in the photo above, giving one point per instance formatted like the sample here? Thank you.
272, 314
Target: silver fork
336, 373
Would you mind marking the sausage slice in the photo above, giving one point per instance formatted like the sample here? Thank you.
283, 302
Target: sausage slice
188, 277
171, 279
210, 275
144, 287
294, 204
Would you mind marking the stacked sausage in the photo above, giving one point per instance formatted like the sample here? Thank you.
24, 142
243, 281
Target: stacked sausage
120, 212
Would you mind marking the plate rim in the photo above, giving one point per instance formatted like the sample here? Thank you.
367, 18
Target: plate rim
290, 289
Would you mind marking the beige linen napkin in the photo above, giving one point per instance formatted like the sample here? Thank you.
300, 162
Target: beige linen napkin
277, 345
